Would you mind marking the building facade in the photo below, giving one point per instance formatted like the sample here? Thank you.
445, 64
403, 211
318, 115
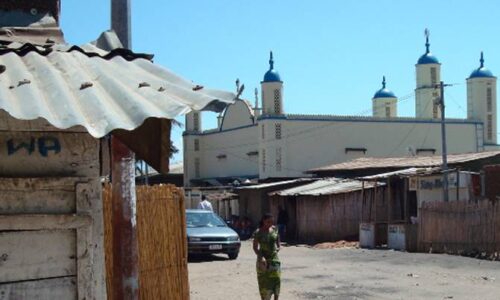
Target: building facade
264, 143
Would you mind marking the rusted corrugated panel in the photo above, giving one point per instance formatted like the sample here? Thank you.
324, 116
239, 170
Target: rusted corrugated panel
404, 162
326, 187
102, 91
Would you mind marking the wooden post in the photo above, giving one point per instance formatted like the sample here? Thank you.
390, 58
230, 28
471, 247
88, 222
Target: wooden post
125, 249
375, 204
389, 200
362, 199
458, 184
405, 199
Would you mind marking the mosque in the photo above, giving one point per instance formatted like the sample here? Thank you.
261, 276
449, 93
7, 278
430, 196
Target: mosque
265, 142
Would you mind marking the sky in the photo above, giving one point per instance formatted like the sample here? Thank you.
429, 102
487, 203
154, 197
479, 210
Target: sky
331, 54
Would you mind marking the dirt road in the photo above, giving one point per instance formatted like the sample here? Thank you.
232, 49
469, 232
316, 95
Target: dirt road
349, 274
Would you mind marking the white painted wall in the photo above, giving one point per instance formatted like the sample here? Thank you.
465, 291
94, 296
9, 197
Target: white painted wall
380, 106
268, 93
425, 93
307, 144
311, 144
236, 115
477, 108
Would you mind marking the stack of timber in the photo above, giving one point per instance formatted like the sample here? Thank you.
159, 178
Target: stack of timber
161, 234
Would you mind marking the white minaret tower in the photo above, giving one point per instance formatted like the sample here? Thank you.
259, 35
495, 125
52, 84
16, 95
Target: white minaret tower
256, 109
482, 101
384, 103
428, 71
193, 121
272, 91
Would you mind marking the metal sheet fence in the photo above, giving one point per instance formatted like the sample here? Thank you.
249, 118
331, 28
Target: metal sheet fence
163, 272
460, 227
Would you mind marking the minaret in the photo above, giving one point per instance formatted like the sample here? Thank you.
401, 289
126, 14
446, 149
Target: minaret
272, 91
256, 109
428, 71
482, 100
384, 103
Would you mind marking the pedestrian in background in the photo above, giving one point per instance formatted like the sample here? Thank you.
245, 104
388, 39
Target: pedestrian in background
266, 245
282, 222
205, 204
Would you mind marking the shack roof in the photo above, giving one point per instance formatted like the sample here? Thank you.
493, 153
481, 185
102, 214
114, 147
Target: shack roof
274, 184
404, 173
100, 90
394, 163
328, 186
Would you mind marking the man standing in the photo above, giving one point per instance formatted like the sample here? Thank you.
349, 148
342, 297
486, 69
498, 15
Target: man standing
205, 204
282, 222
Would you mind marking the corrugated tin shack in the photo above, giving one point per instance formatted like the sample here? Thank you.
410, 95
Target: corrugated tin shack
406, 191
253, 200
57, 102
325, 210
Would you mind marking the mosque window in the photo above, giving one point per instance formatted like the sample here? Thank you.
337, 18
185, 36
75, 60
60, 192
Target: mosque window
489, 127
196, 121
387, 111
263, 132
197, 167
489, 103
196, 145
277, 102
278, 159
433, 76
263, 160
277, 131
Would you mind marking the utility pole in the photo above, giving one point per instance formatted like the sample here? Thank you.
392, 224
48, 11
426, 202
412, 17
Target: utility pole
443, 142
125, 279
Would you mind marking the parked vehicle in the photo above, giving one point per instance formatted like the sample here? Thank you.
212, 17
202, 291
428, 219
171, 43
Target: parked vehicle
208, 233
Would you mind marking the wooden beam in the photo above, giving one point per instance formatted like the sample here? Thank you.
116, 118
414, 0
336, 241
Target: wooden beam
43, 222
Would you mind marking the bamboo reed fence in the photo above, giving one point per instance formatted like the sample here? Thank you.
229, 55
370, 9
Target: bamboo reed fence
460, 227
161, 235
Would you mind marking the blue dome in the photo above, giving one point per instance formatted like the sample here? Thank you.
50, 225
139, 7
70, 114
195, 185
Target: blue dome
271, 75
427, 58
482, 71
384, 92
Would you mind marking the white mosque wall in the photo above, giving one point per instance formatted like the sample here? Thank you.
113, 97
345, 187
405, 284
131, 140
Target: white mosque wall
481, 105
272, 97
385, 107
310, 144
428, 75
222, 154
236, 115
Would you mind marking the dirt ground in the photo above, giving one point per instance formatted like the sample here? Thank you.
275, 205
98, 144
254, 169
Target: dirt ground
349, 274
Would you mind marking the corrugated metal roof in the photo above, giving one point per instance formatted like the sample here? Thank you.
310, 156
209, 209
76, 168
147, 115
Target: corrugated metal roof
404, 162
100, 90
328, 186
404, 173
274, 184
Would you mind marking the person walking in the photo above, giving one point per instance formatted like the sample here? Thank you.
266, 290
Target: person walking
205, 204
266, 245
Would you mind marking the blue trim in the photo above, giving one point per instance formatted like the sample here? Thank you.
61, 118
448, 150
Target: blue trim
216, 132
367, 120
